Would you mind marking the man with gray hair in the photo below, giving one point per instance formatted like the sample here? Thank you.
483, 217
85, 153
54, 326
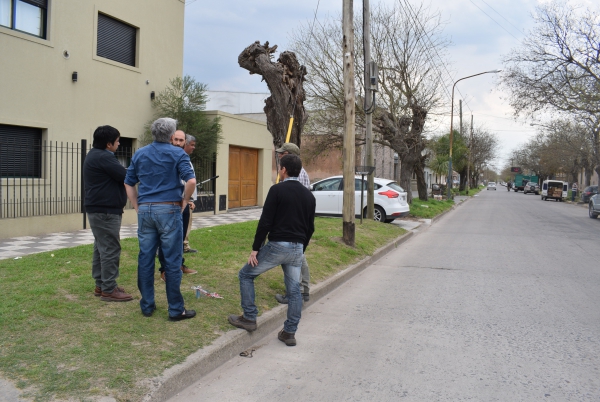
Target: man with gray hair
161, 169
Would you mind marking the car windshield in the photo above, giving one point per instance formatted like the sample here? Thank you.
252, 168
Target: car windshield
395, 186
491, 183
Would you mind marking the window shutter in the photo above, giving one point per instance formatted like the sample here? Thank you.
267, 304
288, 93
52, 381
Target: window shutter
38, 3
20, 151
116, 40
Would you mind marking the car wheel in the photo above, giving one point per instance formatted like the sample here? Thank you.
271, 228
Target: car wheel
591, 212
378, 214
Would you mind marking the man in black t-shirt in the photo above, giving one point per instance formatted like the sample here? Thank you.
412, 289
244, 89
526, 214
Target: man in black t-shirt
288, 218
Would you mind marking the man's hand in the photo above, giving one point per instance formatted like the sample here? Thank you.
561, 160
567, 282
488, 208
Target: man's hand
252, 259
192, 205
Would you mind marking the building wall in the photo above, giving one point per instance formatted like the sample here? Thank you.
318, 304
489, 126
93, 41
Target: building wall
36, 85
248, 133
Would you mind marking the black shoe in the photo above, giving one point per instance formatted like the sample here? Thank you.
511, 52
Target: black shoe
287, 338
305, 297
281, 299
149, 314
241, 322
183, 316
190, 250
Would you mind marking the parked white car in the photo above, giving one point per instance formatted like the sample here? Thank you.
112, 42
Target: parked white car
390, 198
491, 186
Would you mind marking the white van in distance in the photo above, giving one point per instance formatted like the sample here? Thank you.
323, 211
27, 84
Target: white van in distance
554, 190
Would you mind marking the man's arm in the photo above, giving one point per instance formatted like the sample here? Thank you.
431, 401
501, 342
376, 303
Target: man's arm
132, 194
266, 219
114, 169
190, 185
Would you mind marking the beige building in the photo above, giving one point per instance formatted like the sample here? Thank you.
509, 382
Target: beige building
69, 66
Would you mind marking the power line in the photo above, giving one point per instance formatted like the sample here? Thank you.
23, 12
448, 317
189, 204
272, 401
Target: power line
517, 28
435, 50
490, 17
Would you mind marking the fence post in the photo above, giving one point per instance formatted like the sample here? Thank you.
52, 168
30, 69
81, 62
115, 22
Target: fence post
214, 186
83, 153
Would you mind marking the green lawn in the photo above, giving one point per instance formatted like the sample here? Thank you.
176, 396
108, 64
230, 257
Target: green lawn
59, 341
430, 208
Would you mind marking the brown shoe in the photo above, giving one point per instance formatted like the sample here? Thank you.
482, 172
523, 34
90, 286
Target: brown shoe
242, 322
287, 338
186, 270
162, 276
98, 291
117, 295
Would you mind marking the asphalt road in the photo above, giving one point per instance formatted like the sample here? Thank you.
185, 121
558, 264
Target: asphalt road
497, 301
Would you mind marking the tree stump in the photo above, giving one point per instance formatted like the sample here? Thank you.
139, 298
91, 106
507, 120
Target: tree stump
284, 79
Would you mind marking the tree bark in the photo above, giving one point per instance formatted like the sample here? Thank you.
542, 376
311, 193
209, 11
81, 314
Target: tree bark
421, 182
285, 82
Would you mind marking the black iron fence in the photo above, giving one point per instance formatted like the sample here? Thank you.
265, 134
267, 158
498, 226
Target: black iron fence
40, 178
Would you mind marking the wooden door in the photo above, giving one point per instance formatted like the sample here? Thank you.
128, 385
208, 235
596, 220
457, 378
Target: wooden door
243, 177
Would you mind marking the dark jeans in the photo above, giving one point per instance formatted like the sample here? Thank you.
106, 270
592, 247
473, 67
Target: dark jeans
289, 256
186, 220
107, 249
160, 225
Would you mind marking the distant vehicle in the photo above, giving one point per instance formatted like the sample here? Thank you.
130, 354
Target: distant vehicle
521, 180
594, 206
531, 187
554, 190
491, 186
588, 193
390, 198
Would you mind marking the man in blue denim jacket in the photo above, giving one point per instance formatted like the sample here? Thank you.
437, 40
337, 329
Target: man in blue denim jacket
288, 217
160, 168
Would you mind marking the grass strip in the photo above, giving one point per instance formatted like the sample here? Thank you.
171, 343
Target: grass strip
430, 208
59, 341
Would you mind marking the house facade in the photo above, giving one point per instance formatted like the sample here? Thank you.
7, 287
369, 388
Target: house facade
69, 66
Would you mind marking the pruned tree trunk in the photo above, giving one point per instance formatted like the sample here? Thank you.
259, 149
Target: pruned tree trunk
419, 171
284, 79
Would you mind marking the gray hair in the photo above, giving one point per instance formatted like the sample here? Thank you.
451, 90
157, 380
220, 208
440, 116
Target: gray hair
163, 128
189, 138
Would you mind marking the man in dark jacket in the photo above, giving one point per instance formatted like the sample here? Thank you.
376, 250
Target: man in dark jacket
288, 217
105, 198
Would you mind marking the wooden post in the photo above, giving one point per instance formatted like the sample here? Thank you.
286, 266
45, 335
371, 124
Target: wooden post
349, 121
369, 116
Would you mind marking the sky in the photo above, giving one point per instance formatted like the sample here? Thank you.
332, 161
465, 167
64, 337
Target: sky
481, 32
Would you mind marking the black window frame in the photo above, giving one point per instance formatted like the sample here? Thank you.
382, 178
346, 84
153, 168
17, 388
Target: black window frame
20, 144
42, 5
116, 40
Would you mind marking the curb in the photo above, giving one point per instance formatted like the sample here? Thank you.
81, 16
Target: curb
233, 342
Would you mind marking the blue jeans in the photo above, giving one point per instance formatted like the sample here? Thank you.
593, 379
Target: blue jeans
160, 225
289, 256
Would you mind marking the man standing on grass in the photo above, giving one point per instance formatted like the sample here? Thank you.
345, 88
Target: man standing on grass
190, 145
288, 217
160, 169
287, 149
178, 139
105, 198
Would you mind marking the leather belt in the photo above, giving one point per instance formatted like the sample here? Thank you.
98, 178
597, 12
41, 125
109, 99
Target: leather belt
160, 203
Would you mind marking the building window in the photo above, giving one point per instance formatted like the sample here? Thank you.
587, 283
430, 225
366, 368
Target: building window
20, 151
125, 151
27, 16
116, 40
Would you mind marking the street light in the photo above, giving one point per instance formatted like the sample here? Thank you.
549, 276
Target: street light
451, 121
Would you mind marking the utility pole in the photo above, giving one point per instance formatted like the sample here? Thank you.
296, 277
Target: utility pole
349, 121
368, 108
470, 152
460, 129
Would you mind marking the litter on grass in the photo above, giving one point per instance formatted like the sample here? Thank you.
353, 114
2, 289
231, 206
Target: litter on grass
200, 292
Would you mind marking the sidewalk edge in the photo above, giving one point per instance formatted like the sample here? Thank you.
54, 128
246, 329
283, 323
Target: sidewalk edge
233, 342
